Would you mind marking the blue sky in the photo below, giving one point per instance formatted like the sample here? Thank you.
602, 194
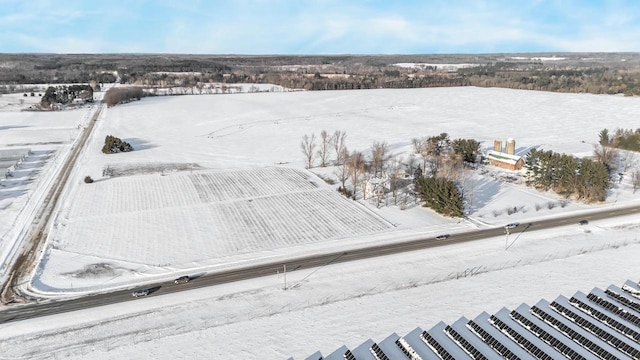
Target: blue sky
318, 26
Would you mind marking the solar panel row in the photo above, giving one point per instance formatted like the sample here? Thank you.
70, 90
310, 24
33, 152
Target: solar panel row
602, 324
436, 346
491, 341
464, 343
597, 331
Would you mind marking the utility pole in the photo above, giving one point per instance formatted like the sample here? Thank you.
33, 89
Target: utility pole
506, 240
285, 276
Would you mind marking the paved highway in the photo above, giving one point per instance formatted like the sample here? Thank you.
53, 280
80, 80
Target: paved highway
49, 307
26, 260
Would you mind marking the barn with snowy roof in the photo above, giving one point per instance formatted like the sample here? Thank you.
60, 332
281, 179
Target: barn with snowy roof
506, 159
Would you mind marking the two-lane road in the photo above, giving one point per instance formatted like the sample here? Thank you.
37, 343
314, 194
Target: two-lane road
50, 307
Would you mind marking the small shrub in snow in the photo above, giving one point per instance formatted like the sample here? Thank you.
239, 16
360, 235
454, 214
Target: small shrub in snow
564, 203
551, 205
538, 207
107, 171
496, 213
344, 191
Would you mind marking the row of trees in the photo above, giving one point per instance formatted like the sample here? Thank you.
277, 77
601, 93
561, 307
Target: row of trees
313, 150
437, 150
566, 175
607, 152
120, 95
626, 139
596, 78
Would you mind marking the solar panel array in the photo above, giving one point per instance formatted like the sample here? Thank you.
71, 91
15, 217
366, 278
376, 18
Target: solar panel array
599, 325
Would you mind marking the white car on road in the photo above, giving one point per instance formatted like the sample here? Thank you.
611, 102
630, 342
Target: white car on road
139, 293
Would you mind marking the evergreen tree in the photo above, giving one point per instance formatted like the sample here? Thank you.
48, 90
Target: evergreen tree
114, 145
467, 148
441, 195
593, 181
604, 137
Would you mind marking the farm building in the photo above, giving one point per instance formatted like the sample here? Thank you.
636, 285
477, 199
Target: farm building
506, 159
376, 186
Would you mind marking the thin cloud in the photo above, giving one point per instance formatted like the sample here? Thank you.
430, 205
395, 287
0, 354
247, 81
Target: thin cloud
319, 26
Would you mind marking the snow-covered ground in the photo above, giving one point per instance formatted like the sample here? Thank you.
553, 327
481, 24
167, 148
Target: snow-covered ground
219, 180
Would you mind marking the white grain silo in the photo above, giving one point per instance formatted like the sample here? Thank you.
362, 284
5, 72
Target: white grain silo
497, 145
511, 147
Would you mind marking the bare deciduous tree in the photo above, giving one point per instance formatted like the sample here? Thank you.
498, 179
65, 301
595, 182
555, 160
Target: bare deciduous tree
635, 180
342, 170
395, 178
606, 155
325, 145
339, 141
308, 146
451, 166
628, 159
411, 164
356, 165
379, 155
421, 146
429, 149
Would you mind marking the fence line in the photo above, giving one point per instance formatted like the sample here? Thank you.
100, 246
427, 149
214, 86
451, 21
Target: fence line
135, 337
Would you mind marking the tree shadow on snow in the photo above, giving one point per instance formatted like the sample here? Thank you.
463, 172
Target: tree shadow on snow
12, 127
139, 144
485, 190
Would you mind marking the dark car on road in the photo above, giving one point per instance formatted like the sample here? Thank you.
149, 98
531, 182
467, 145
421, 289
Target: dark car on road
182, 280
583, 222
512, 225
442, 237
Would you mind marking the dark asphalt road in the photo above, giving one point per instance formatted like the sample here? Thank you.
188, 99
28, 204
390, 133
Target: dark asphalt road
50, 307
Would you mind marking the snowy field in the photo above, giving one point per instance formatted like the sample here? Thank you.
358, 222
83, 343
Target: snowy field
219, 180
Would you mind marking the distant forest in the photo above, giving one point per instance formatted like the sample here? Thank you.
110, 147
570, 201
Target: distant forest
598, 73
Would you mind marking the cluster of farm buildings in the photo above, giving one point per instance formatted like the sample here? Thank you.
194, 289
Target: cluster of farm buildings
503, 157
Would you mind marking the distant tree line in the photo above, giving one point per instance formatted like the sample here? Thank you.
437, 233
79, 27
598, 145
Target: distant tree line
604, 74
120, 95
597, 80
